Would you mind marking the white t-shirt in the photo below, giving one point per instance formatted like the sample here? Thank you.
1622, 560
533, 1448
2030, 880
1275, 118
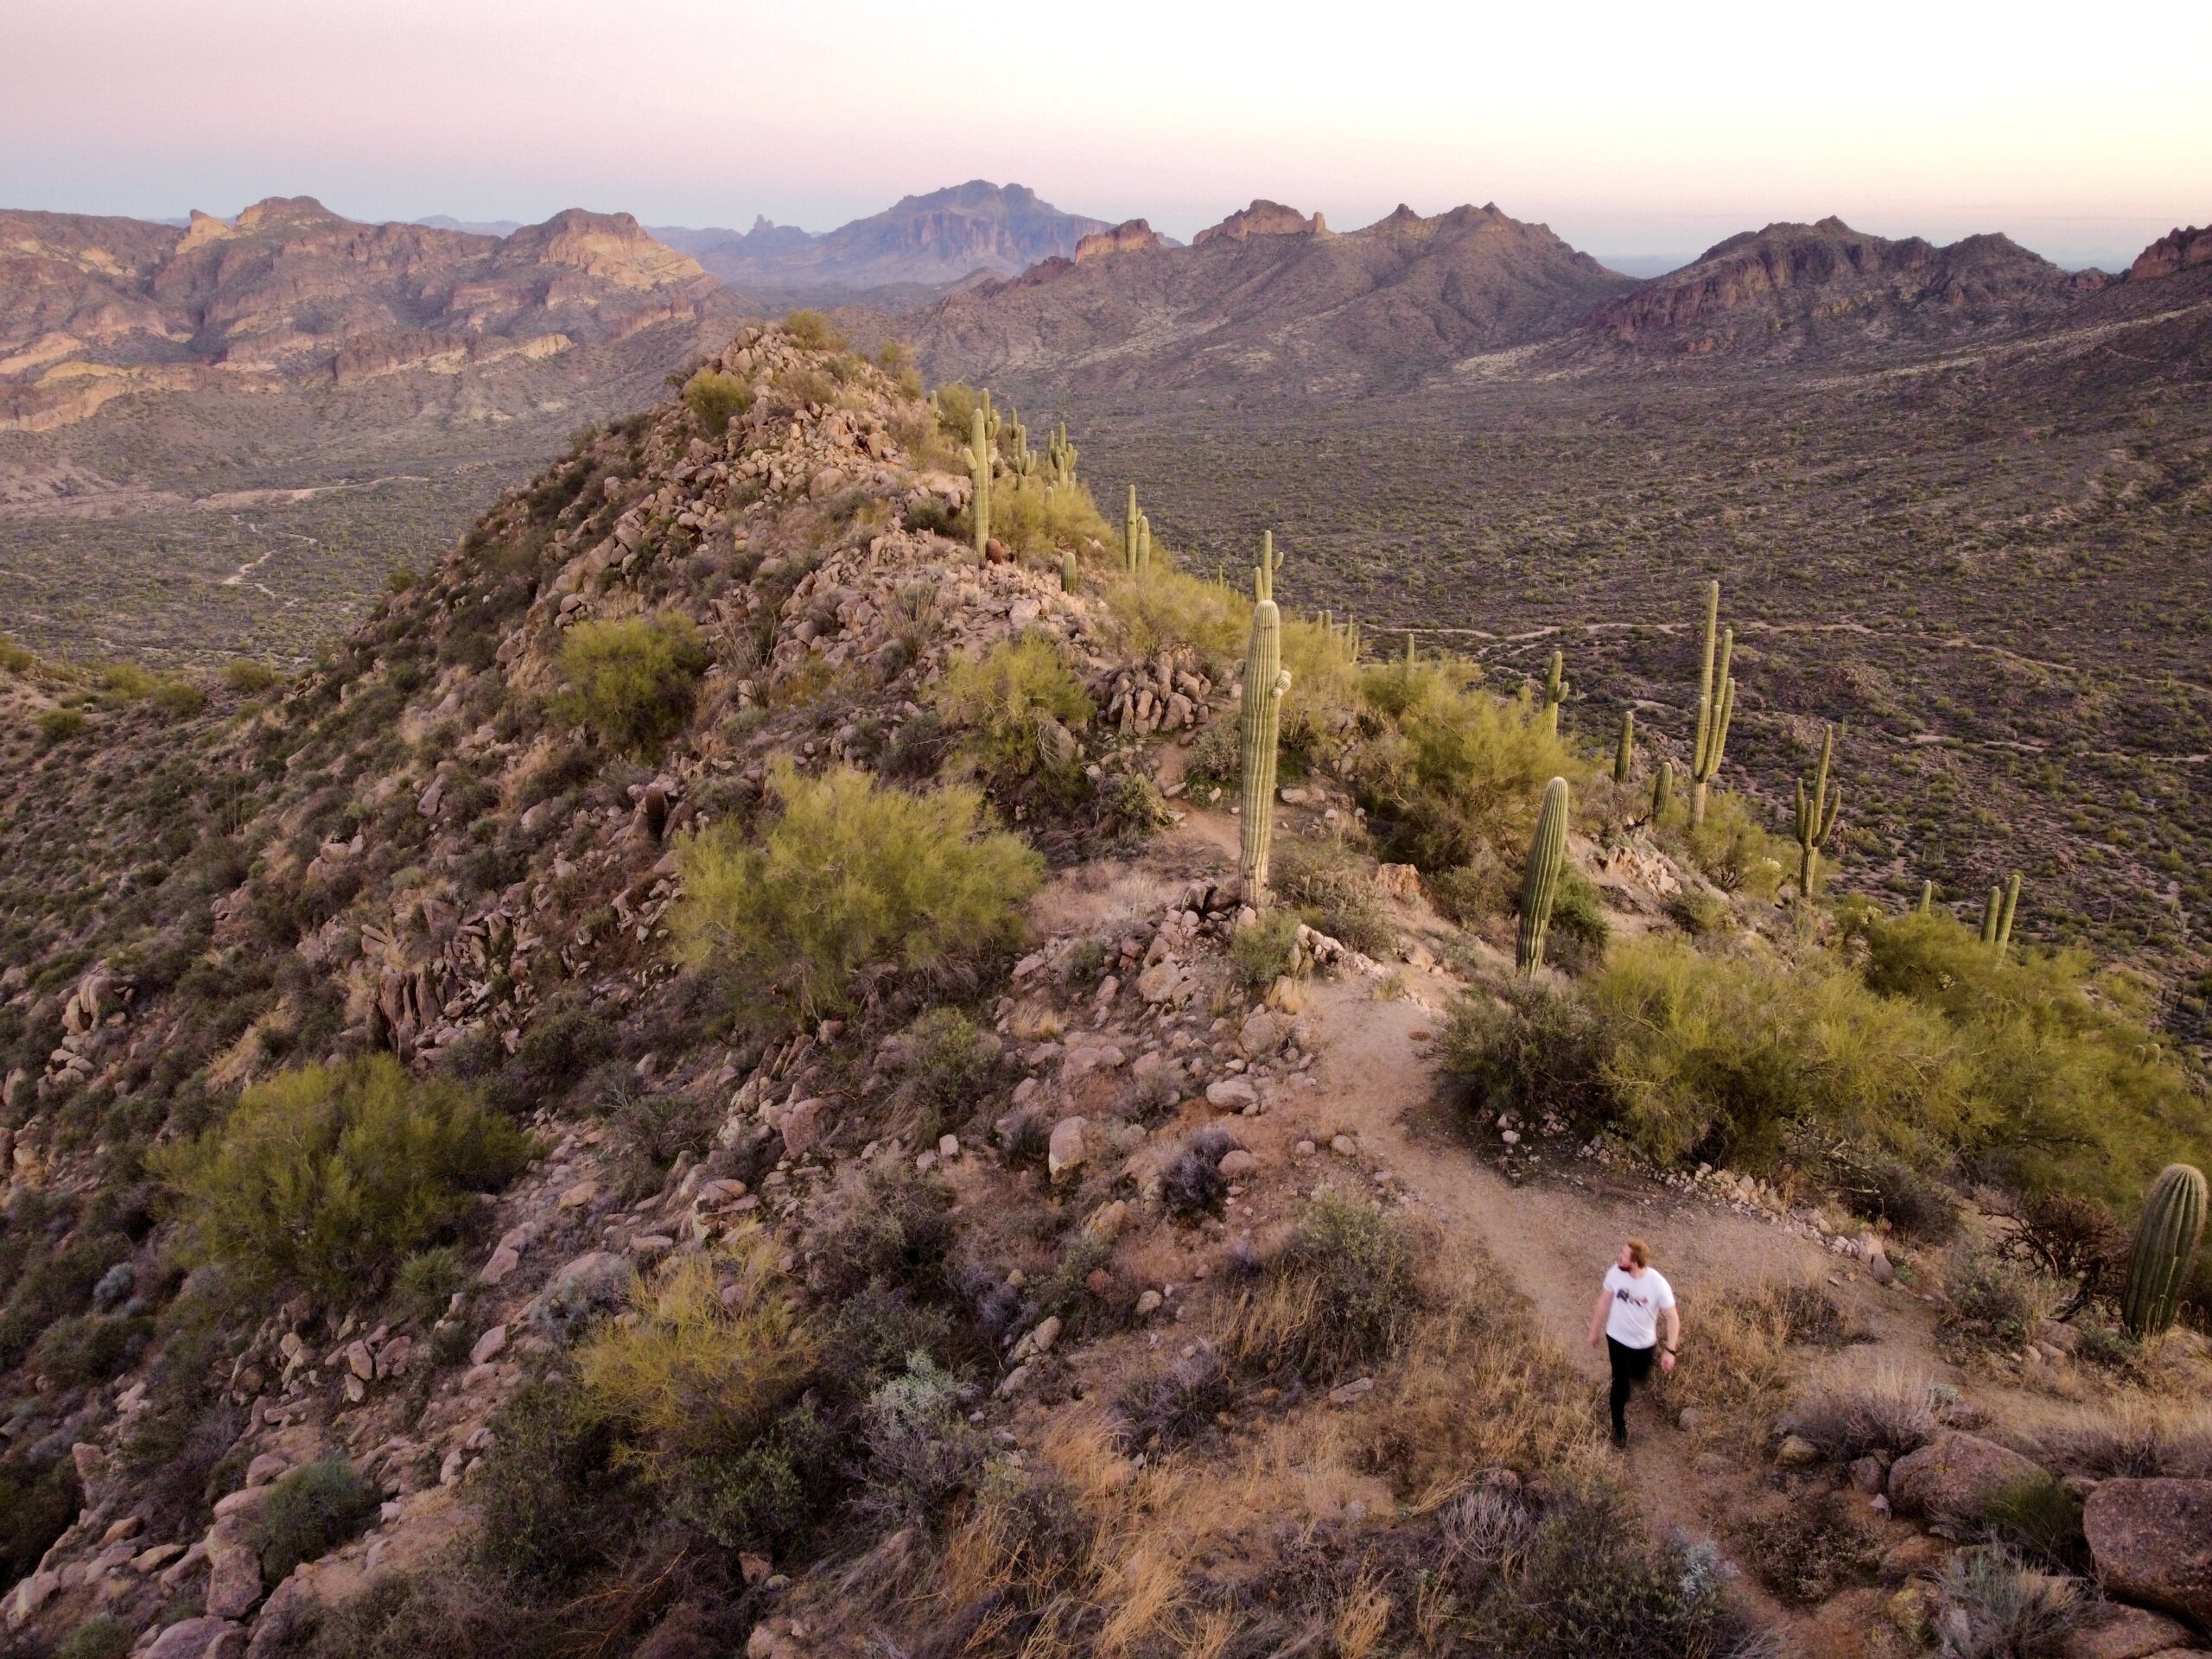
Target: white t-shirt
1638, 1299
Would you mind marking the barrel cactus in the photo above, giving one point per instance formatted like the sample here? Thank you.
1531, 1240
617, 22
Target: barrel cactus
1265, 681
1624, 751
2165, 1247
1716, 707
1815, 817
1540, 886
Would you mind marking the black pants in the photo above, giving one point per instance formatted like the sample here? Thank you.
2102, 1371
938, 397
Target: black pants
1630, 1367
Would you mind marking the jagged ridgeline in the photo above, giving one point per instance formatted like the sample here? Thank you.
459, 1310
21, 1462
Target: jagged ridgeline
713, 1077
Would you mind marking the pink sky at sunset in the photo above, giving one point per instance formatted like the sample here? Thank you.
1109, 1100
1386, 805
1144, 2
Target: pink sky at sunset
1628, 129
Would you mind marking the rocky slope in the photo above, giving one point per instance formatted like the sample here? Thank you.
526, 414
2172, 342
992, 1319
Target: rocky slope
1270, 296
1086, 1174
934, 240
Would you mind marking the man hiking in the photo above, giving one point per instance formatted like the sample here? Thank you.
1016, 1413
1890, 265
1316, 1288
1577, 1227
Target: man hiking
1627, 1318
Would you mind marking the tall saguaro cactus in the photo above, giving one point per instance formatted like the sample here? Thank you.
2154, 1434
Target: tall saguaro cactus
979, 471
1662, 791
1927, 898
1556, 689
1716, 706
1266, 682
1539, 885
1060, 457
2165, 1245
1624, 753
1129, 535
1997, 916
1815, 817
1144, 545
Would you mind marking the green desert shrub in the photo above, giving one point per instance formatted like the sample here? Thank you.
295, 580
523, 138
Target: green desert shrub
1342, 1293
328, 1176
1030, 517
101, 1637
1320, 710
1264, 950
2040, 1515
1991, 1605
813, 331
249, 677
631, 681
311, 1512
1335, 890
943, 1063
59, 725
88, 1348
424, 1287
851, 874
1018, 708
1810, 1549
714, 399
1531, 1050
1737, 853
1168, 610
1455, 771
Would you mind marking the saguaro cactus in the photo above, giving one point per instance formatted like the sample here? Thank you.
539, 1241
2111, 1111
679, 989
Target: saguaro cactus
1663, 790
1927, 898
1624, 753
1540, 886
1060, 456
1716, 706
1556, 689
1265, 681
1997, 916
2165, 1245
1129, 535
1067, 573
1144, 545
1815, 817
979, 471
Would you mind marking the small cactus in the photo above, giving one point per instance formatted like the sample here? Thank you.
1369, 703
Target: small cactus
1554, 692
1265, 681
2165, 1247
1663, 790
1129, 535
979, 473
1060, 457
1716, 707
1144, 545
1067, 573
1624, 751
1815, 817
1540, 886
1927, 898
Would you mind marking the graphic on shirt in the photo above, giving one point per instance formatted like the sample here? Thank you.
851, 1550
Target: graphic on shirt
1638, 1301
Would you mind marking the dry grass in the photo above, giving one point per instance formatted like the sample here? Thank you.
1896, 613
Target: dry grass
1744, 1368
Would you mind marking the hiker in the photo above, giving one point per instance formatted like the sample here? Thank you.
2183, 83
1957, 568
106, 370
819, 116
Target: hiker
1627, 1317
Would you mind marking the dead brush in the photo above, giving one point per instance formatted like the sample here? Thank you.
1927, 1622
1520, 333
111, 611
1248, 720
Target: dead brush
1744, 1368
1340, 1295
1892, 1411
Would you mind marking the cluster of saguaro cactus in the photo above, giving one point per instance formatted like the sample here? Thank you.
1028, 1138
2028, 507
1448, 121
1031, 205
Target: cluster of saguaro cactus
1265, 681
1059, 457
1997, 916
1136, 538
1816, 816
1554, 692
2165, 1247
1716, 706
1663, 790
1539, 885
1020, 459
978, 457
1624, 751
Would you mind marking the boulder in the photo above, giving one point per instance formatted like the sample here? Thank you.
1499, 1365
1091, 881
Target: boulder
1232, 1094
233, 1567
2152, 1540
199, 1638
1236, 1163
1264, 1031
2108, 1630
1952, 1477
1064, 1150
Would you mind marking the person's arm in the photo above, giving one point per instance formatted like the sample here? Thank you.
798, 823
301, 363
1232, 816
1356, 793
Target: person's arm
1597, 1318
1674, 1339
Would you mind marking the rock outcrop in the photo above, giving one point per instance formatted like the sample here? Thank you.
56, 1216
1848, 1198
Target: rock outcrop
1262, 217
2177, 250
2152, 1540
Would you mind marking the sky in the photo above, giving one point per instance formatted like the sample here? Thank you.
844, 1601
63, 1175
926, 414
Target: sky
1645, 129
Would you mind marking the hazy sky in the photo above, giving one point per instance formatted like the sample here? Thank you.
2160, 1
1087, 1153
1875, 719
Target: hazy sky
1630, 129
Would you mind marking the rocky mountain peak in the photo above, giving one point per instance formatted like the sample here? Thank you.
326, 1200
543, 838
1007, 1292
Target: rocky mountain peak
1262, 217
2175, 251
